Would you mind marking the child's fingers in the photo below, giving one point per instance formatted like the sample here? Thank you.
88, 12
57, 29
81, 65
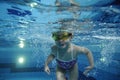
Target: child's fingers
47, 70
88, 68
85, 72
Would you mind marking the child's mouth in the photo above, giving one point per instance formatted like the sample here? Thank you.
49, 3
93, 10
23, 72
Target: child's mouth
62, 45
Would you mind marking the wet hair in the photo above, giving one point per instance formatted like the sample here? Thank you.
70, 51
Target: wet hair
62, 32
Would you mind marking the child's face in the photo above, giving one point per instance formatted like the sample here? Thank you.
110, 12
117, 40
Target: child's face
62, 39
62, 43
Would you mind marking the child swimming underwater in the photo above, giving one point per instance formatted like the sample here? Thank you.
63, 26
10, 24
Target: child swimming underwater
66, 54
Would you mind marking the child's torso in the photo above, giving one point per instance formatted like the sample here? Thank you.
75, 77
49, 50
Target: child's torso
66, 58
66, 54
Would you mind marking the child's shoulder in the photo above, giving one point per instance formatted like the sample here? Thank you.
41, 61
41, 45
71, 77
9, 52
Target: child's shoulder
77, 47
54, 50
54, 47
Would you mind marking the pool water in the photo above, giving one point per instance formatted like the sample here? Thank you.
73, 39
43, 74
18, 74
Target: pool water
25, 37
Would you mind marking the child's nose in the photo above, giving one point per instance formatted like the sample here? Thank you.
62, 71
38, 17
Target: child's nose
61, 40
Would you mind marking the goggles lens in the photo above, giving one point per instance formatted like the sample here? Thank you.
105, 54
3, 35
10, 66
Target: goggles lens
60, 36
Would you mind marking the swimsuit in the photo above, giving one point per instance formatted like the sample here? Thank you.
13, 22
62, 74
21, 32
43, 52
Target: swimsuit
66, 64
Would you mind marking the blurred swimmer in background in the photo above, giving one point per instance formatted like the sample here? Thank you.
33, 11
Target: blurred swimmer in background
72, 2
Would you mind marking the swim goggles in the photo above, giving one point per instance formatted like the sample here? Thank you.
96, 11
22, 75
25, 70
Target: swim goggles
61, 35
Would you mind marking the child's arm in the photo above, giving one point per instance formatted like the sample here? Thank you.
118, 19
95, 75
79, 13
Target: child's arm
47, 62
88, 53
90, 57
49, 59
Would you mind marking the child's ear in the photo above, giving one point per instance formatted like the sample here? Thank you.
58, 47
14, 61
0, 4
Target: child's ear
71, 35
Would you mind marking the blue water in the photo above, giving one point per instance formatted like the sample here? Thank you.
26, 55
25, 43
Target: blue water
25, 31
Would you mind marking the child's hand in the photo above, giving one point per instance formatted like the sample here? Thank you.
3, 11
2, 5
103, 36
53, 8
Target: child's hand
87, 70
47, 70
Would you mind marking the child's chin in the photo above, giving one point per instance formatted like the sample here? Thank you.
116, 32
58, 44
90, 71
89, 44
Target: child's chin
62, 46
